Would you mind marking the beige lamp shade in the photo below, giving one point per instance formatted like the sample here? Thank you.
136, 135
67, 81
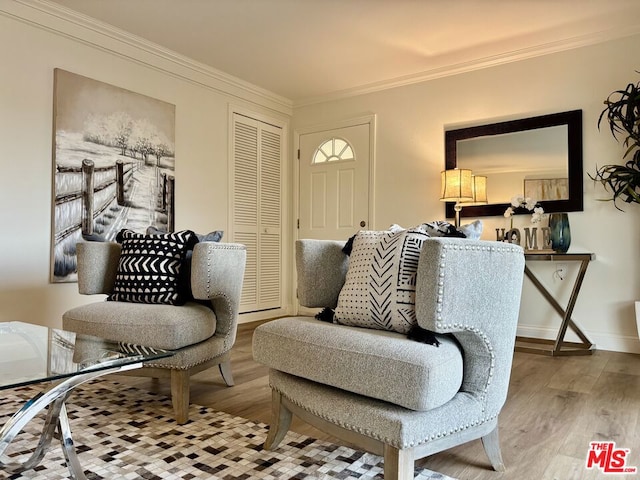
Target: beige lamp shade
457, 185
479, 188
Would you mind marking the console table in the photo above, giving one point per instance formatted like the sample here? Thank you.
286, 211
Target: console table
558, 346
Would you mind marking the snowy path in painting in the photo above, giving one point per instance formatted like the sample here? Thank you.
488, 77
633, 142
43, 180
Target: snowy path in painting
142, 191
141, 201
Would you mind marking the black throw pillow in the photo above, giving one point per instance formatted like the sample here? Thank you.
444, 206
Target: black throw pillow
151, 267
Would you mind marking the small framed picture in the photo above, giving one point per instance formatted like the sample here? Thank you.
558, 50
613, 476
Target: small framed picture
546, 188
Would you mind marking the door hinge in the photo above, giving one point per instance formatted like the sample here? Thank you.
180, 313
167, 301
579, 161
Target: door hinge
298, 154
298, 223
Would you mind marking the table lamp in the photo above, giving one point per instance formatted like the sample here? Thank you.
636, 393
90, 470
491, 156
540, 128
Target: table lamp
457, 187
479, 188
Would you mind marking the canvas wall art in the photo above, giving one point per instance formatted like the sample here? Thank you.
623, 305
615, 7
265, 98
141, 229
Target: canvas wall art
113, 162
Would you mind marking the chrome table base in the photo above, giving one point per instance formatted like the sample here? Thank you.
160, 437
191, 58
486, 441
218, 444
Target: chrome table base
53, 399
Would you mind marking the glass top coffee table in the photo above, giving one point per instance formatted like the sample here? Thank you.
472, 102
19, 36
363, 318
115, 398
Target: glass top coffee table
31, 354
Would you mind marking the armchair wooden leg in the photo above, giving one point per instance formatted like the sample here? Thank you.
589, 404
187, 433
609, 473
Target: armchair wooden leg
398, 464
280, 422
225, 371
180, 395
491, 444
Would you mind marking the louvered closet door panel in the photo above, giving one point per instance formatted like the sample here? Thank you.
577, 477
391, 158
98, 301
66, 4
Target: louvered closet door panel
245, 205
270, 264
249, 298
270, 207
257, 209
270, 179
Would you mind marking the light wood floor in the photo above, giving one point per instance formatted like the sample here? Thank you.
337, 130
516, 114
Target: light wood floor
555, 407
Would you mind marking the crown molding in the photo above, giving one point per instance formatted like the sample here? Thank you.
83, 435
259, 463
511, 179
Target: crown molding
68, 23
62, 21
476, 64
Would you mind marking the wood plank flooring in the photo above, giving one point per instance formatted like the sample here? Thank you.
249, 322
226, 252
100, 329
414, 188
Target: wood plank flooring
555, 407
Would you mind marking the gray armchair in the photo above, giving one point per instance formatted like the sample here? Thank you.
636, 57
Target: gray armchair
201, 335
382, 392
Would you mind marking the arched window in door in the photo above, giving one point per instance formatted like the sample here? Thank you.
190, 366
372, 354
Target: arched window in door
332, 150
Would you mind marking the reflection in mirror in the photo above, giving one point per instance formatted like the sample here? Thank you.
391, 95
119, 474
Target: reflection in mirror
538, 157
533, 163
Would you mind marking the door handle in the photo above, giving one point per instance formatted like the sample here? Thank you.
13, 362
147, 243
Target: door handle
363, 223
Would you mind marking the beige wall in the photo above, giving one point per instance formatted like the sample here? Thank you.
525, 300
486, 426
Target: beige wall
410, 155
28, 58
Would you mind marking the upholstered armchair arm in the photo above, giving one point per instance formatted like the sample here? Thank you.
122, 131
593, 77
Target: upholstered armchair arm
472, 289
97, 266
217, 271
321, 267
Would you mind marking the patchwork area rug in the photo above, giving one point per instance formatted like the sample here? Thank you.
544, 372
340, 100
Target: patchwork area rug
122, 432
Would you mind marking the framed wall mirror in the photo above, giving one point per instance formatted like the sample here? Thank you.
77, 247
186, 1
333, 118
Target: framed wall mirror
540, 157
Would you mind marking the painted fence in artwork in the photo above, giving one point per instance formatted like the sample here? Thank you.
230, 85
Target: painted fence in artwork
85, 192
168, 200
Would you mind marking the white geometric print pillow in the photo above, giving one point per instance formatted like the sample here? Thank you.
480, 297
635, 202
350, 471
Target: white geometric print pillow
379, 289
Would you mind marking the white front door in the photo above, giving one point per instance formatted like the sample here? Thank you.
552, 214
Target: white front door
334, 182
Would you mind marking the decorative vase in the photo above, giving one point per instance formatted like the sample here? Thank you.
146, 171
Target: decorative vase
559, 232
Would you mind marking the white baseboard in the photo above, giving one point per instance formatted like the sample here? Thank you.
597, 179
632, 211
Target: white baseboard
602, 341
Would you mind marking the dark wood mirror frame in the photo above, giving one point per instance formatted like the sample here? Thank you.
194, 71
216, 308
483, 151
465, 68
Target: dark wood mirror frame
573, 120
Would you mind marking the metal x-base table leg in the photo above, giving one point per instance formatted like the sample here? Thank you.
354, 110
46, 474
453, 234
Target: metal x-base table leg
53, 399
560, 346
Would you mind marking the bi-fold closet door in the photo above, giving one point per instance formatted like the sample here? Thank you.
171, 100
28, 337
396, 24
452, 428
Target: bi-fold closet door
256, 209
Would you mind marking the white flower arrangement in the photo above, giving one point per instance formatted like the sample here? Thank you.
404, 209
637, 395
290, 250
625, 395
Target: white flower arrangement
530, 204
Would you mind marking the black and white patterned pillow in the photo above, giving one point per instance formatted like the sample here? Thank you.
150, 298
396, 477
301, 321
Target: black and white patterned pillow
379, 289
185, 276
213, 236
151, 267
441, 228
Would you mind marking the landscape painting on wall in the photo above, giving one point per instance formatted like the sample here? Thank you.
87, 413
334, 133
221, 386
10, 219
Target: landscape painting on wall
114, 162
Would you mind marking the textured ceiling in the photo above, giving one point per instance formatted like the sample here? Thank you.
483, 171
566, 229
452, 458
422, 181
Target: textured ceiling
304, 49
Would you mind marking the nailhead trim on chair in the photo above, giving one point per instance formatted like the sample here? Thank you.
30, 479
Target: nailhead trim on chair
210, 294
442, 326
458, 326
185, 367
385, 440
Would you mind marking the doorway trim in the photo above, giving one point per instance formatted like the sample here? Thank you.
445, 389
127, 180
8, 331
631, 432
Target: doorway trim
370, 120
